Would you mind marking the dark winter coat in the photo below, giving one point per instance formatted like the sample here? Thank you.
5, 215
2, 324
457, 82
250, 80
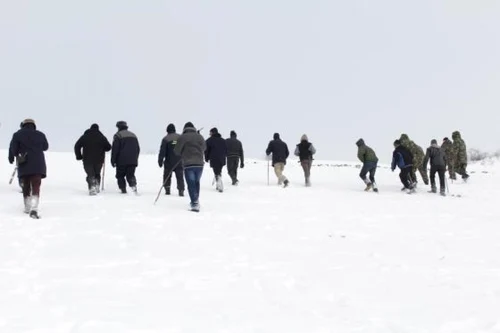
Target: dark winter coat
216, 151
365, 153
166, 155
402, 158
31, 144
191, 148
126, 149
435, 155
279, 149
94, 145
234, 148
305, 150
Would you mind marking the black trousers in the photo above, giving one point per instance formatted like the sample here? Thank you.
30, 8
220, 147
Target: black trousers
126, 172
441, 171
232, 167
179, 175
93, 171
405, 176
217, 168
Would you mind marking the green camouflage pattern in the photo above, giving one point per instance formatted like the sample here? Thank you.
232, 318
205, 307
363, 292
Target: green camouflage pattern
447, 147
459, 149
366, 154
418, 157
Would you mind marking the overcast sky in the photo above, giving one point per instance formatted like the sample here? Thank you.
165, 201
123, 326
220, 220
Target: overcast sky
334, 69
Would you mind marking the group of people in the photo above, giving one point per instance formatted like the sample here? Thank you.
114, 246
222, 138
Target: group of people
410, 157
185, 155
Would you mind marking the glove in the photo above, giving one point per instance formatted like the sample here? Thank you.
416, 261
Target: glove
160, 164
113, 164
11, 160
79, 158
392, 169
242, 165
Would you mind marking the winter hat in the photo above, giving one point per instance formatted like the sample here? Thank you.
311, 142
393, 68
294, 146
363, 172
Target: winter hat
214, 131
276, 136
360, 142
94, 126
121, 125
397, 143
434, 142
188, 124
304, 138
446, 139
232, 134
171, 128
28, 121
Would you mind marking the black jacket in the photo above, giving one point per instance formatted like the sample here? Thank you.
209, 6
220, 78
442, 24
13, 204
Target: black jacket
31, 144
94, 145
234, 148
166, 155
126, 149
436, 156
279, 149
216, 151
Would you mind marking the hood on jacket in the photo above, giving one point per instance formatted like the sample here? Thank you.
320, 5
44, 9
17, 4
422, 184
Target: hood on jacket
170, 128
276, 136
304, 138
397, 143
434, 143
233, 134
456, 135
360, 142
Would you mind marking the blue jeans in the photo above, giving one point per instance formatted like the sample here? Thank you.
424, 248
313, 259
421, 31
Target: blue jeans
193, 176
368, 167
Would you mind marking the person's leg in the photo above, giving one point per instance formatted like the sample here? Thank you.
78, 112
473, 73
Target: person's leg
179, 170
121, 172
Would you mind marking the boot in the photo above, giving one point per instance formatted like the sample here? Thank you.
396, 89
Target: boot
442, 192
308, 182
368, 187
34, 207
181, 193
220, 185
123, 190
375, 188
285, 183
167, 190
433, 189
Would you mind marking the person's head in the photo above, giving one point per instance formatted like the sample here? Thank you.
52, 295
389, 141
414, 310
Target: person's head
276, 136
94, 127
233, 134
434, 142
28, 123
360, 142
214, 131
121, 125
304, 138
170, 128
455, 135
397, 143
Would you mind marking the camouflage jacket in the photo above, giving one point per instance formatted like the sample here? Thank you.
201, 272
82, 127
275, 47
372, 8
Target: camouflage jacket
366, 154
459, 148
415, 150
447, 148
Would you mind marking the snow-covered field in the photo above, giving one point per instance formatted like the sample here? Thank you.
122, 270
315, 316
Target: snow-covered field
257, 258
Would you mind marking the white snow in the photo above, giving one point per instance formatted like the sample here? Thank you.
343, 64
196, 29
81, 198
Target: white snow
257, 258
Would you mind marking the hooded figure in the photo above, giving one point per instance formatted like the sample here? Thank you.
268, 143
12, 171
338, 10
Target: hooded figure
280, 152
216, 154
191, 148
369, 159
459, 155
437, 158
447, 147
125, 157
305, 151
234, 156
28, 146
402, 158
94, 145
171, 162
418, 159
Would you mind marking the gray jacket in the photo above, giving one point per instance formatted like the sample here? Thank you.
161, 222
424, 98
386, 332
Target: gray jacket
436, 156
191, 147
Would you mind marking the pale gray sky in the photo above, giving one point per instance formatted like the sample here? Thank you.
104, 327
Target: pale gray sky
334, 69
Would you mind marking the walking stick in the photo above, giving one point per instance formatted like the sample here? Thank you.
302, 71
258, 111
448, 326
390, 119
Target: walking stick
13, 175
165, 181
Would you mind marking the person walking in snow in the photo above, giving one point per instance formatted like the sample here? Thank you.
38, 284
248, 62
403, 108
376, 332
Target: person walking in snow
280, 152
125, 157
418, 159
460, 155
305, 151
191, 148
447, 147
369, 159
402, 158
94, 145
436, 156
216, 154
28, 146
234, 157
171, 162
